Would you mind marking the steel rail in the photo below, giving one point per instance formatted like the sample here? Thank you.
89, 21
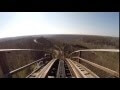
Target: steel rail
88, 70
80, 71
76, 71
112, 72
43, 72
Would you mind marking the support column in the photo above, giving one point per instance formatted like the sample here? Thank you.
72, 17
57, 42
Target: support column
79, 55
4, 66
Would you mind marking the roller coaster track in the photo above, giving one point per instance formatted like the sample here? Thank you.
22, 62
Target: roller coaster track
57, 67
80, 71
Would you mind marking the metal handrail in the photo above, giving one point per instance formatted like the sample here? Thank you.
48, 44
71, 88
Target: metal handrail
25, 66
6, 50
97, 50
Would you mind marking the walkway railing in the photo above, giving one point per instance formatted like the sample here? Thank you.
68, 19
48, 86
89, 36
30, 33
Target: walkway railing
107, 70
4, 66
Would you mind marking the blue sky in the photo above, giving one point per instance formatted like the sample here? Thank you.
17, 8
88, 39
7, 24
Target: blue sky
34, 23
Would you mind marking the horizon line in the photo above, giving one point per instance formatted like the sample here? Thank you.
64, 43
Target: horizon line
57, 34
